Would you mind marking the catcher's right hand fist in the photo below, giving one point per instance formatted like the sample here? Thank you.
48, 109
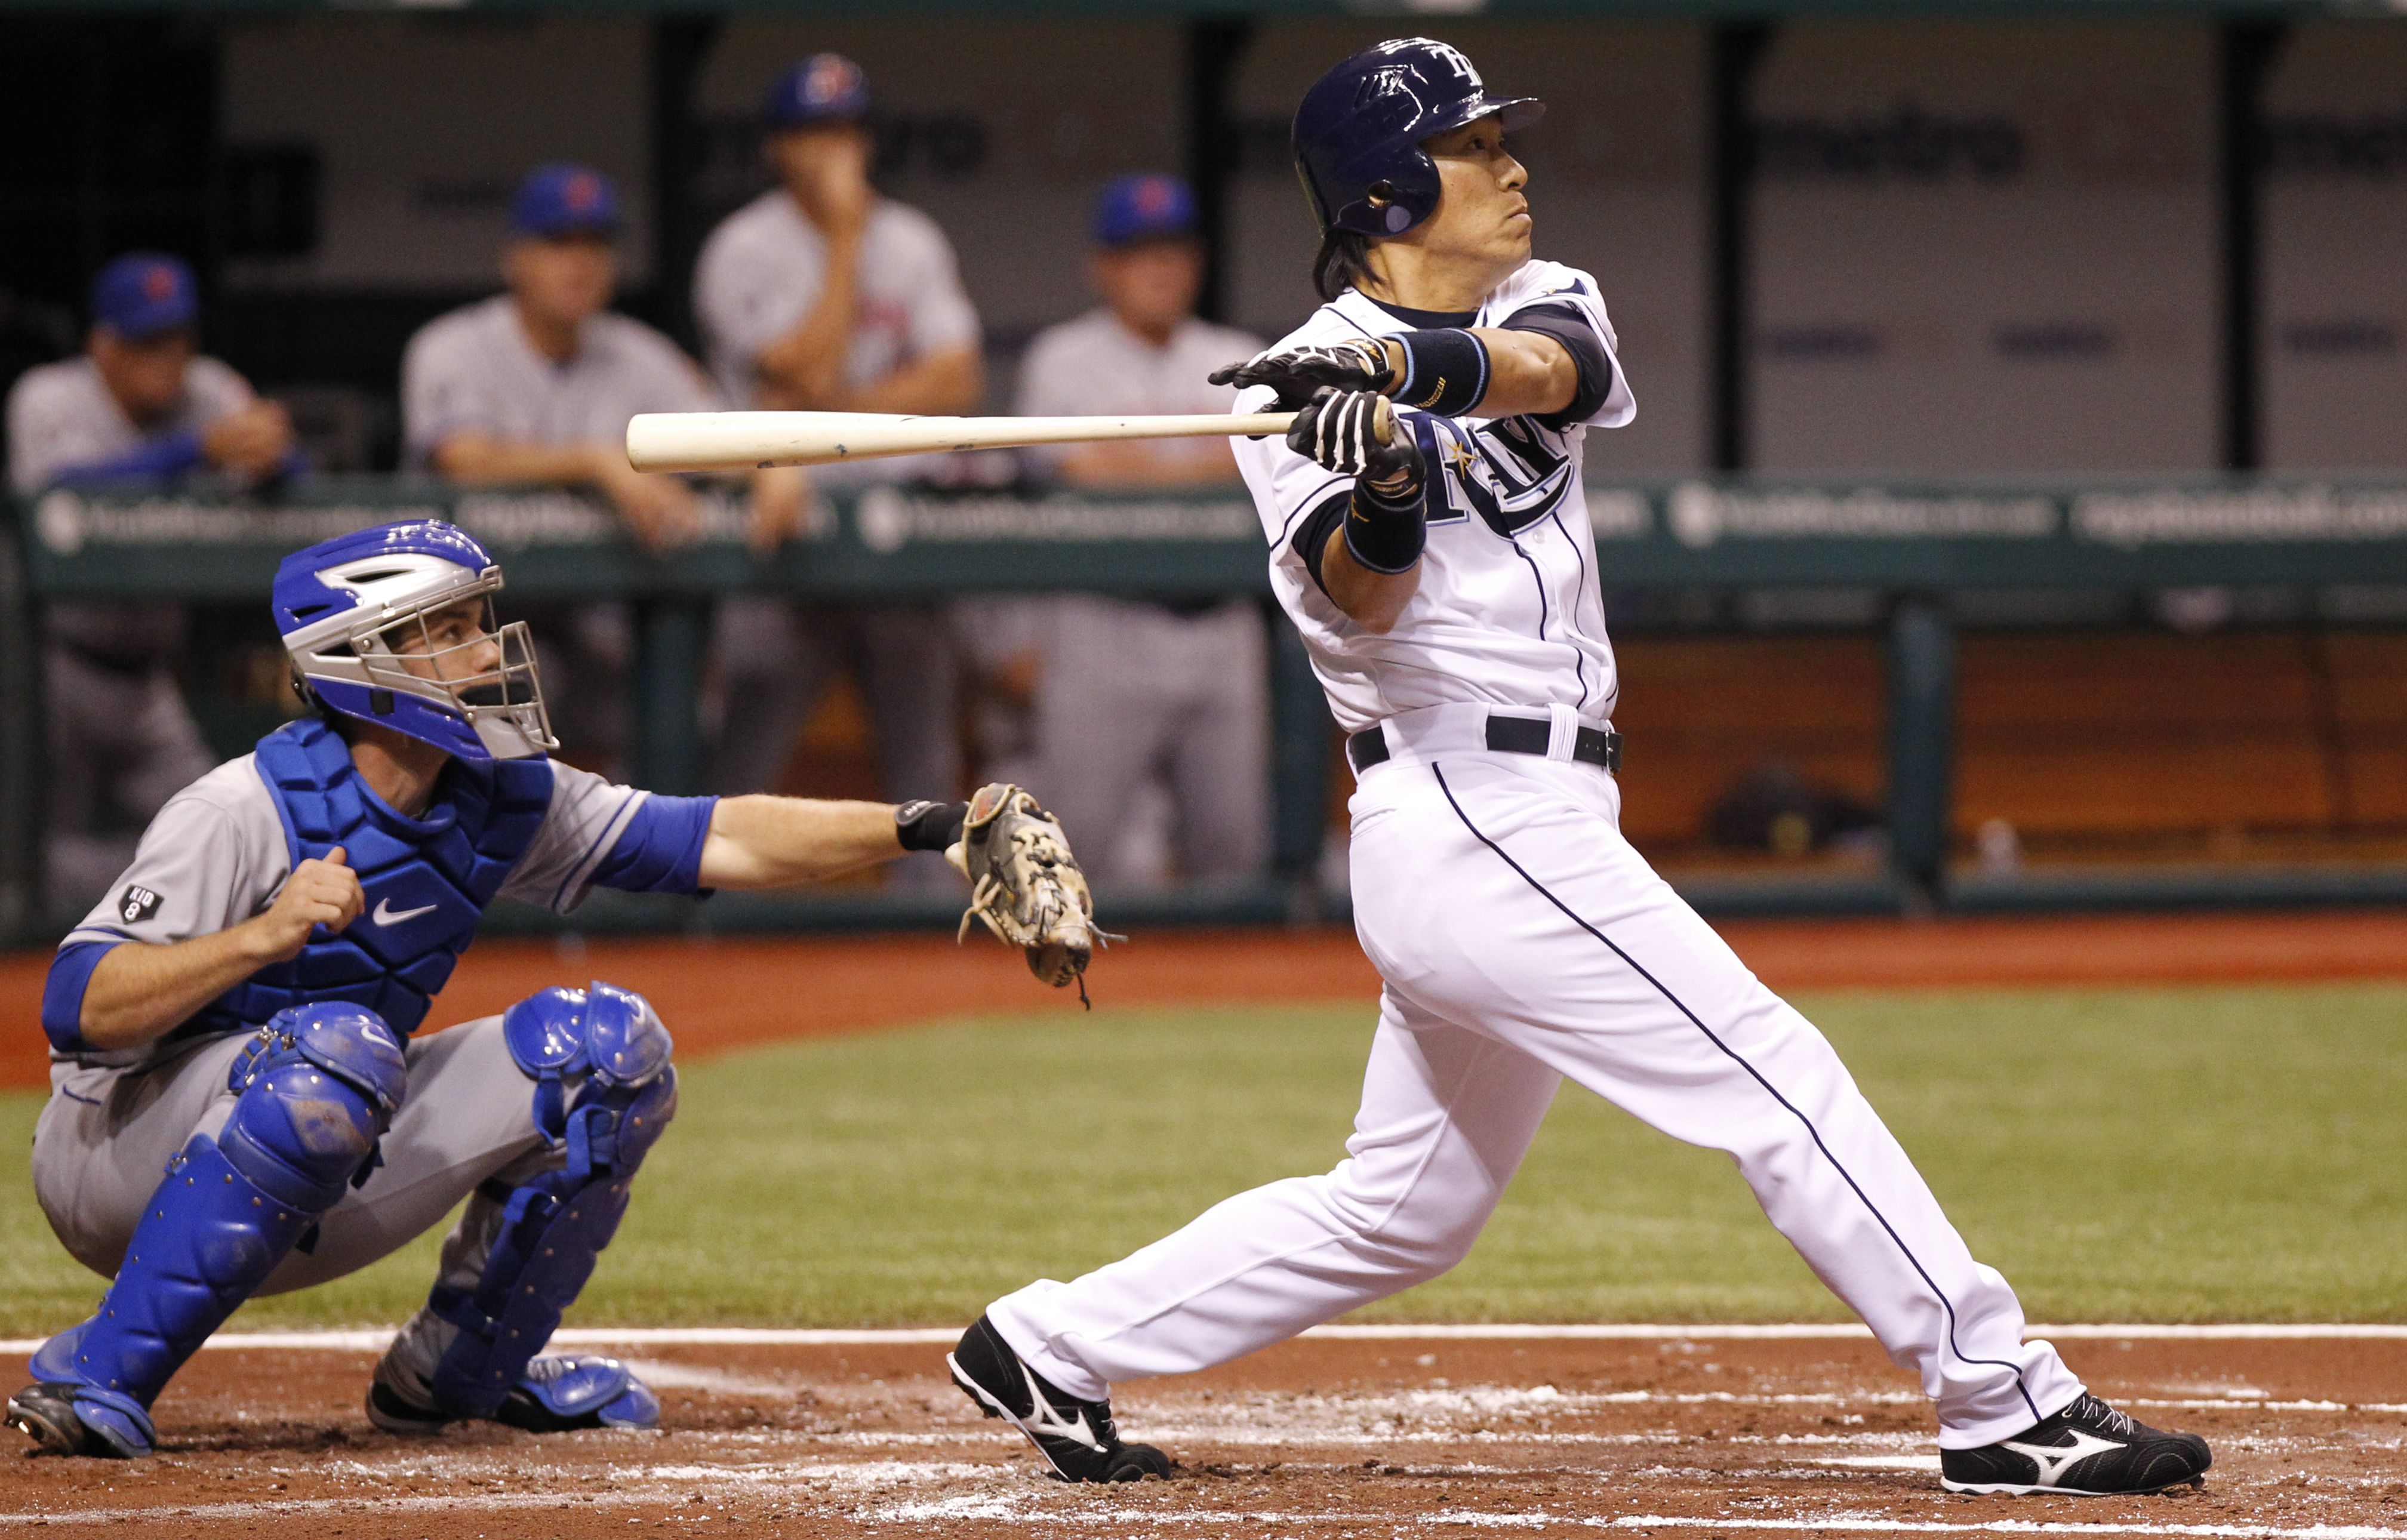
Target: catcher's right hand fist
1025, 885
1296, 373
1355, 433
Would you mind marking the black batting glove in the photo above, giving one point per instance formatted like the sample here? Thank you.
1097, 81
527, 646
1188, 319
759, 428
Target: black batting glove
1356, 364
1341, 431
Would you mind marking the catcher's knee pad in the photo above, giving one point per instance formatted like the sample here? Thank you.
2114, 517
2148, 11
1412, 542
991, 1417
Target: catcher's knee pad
604, 1092
317, 1086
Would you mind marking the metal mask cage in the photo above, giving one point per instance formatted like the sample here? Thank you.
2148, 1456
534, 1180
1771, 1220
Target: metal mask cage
489, 677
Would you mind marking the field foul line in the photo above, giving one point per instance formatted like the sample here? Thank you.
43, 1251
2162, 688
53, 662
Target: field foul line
1007, 1511
376, 1341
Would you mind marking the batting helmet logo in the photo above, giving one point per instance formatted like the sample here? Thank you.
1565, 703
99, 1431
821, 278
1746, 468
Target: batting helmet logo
1388, 80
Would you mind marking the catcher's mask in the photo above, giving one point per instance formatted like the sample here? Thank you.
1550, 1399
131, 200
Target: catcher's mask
394, 625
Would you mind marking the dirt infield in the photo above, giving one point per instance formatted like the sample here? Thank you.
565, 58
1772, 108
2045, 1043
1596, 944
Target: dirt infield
1680, 1436
719, 994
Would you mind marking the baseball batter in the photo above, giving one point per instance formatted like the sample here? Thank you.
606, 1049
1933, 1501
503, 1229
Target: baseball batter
238, 1105
1442, 573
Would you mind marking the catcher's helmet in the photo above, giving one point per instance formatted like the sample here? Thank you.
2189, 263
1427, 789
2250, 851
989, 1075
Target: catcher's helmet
1359, 131
353, 610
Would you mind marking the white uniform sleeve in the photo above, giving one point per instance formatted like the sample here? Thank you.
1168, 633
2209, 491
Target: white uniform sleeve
1550, 284
51, 426
748, 293
442, 390
214, 857
587, 816
213, 389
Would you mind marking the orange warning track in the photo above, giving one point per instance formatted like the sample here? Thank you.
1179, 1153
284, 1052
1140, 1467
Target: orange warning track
720, 993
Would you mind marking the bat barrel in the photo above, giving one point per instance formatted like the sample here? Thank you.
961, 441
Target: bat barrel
730, 441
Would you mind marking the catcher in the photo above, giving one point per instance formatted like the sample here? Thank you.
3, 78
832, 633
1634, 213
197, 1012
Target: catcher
238, 1013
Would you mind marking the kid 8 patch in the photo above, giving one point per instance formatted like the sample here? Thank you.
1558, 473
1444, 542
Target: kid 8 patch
138, 905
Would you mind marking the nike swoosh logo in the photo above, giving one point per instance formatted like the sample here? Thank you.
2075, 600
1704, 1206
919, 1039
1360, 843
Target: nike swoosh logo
386, 916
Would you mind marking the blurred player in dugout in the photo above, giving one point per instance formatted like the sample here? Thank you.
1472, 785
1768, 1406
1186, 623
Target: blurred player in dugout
1166, 691
535, 387
822, 295
142, 404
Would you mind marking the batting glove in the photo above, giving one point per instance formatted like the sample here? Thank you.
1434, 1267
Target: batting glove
1356, 364
1356, 433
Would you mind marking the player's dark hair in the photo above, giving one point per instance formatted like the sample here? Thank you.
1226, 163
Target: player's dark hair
1343, 261
315, 705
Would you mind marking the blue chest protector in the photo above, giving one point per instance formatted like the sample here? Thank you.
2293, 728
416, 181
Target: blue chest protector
427, 880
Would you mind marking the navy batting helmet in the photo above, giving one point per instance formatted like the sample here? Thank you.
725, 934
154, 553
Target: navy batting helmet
1359, 131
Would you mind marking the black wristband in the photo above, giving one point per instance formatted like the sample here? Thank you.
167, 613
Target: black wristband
1445, 371
1386, 533
930, 825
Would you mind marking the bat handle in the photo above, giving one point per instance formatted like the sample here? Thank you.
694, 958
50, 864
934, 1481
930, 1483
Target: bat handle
1383, 421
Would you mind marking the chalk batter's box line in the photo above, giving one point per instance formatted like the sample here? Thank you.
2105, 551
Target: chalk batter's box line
377, 1339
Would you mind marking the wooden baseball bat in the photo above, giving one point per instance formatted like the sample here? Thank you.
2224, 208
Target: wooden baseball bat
734, 441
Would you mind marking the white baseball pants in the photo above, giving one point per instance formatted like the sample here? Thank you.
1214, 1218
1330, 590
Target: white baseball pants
1522, 941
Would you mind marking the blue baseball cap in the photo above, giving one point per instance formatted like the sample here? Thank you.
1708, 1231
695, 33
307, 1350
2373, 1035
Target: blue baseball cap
1150, 205
566, 200
825, 88
143, 293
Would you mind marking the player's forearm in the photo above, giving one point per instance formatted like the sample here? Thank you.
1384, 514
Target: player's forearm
476, 458
140, 991
804, 370
1372, 600
939, 384
1527, 373
776, 842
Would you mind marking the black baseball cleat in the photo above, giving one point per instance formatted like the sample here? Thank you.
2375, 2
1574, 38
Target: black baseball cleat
1075, 1437
2088, 1449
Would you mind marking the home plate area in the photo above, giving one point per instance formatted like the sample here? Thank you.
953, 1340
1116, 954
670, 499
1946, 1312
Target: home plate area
1661, 1432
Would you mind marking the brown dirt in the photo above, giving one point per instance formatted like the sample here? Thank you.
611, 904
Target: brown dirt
719, 994
1314, 1439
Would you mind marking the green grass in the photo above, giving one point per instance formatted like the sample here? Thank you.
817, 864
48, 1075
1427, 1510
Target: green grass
2126, 1154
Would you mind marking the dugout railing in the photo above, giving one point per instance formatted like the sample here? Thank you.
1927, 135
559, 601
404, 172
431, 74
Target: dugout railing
1913, 541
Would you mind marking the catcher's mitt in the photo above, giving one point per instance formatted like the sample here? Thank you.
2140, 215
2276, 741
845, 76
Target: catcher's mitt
1025, 885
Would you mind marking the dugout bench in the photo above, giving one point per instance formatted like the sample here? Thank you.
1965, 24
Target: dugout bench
1913, 541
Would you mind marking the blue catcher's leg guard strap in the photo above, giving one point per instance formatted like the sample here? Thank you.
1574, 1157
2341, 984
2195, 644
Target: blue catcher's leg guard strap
605, 1091
230, 1209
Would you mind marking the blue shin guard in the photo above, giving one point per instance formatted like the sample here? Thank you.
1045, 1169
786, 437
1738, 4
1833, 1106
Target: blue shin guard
317, 1088
604, 1092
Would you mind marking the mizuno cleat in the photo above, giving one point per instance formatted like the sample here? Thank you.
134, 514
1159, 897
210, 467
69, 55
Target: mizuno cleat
1075, 1437
2088, 1449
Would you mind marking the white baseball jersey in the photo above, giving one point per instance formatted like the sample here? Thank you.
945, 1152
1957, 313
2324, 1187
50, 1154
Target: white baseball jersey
1508, 611
761, 269
1523, 942
475, 368
61, 418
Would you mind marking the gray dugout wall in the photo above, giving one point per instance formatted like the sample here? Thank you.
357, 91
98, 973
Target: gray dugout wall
1982, 246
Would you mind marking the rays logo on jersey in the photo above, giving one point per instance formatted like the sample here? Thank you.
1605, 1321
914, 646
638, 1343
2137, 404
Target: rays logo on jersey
1509, 471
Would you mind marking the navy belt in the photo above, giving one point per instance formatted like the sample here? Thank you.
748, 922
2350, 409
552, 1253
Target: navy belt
1506, 736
